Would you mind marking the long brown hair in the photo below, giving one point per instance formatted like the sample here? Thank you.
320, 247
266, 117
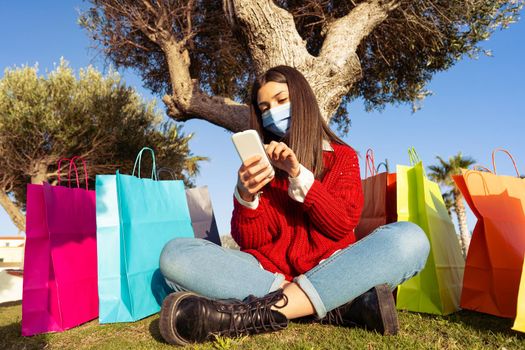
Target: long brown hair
307, 126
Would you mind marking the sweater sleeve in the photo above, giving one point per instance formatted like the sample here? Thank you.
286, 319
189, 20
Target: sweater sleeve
335, 205
299, 186
249, 227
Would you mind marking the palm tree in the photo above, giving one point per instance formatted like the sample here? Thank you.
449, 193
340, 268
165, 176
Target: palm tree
442, 174
448, 198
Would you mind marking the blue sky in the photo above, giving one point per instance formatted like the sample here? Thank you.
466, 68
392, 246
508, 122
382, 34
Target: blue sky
476, 106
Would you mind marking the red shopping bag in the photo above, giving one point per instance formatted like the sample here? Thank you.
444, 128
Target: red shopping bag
379, 192
60, 261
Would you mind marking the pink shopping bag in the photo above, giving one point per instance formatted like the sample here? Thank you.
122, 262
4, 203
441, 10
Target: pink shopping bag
60, 261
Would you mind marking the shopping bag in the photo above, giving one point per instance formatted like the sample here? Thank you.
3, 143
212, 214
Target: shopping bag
495, 256
136, 217
379, 191
436, 289
519, 322
201, 210
60, 271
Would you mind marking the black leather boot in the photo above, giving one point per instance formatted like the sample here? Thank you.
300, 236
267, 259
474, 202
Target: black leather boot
372, 310
186, 317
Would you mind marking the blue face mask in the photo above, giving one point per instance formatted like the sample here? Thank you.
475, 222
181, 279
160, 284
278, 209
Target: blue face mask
277, 119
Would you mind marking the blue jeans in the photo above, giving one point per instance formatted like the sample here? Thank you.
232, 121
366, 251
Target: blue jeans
391, 254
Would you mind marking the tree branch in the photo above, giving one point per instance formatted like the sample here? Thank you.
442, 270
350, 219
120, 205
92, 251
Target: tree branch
220, 111
14, 212
345, 34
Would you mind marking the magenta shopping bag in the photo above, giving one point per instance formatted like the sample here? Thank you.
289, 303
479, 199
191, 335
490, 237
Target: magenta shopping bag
60, 261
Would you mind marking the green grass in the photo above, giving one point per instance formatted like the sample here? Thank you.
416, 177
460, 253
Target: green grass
463, 330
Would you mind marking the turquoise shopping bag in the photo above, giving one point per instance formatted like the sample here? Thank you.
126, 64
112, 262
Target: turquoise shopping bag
136, 217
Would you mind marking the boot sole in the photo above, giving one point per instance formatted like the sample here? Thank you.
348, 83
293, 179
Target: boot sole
167, 314
387, 309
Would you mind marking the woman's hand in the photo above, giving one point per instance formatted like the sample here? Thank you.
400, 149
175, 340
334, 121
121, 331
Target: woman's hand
254, 174
283, 157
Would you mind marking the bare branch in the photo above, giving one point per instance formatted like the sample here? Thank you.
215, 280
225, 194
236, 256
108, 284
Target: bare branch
14, 212
353, 28
220, 111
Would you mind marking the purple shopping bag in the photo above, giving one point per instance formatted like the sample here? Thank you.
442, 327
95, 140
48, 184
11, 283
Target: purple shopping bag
60, 261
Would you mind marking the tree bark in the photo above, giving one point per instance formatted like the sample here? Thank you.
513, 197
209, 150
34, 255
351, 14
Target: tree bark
464, 233
14, 212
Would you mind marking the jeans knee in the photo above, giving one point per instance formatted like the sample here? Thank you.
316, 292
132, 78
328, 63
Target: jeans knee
174, 257
410, 242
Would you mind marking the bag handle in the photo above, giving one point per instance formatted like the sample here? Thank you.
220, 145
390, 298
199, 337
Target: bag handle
370, 163
510, 156
470, 173
138, 161
413, 156
481, 168
166, 170
73, 163
385, 164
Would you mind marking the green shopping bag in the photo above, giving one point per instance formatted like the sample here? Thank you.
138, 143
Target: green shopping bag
135, 218
437, 288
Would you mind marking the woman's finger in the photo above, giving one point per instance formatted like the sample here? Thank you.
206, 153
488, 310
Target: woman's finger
263, 183
270, 148
285, 154
263, 175
278, 150
255, 181
245, 173
251, 161
256, 168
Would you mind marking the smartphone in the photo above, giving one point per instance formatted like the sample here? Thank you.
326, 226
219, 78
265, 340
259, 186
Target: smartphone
248, 143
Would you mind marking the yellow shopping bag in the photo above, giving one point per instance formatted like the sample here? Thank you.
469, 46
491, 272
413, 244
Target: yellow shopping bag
437, 288
519, 322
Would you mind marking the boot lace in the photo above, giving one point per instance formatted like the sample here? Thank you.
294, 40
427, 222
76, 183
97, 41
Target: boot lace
333, 317
254, 315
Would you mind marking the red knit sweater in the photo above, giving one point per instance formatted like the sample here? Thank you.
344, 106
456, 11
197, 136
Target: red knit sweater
290, 237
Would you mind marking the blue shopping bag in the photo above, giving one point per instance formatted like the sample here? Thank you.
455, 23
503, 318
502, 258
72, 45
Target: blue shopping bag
136, 217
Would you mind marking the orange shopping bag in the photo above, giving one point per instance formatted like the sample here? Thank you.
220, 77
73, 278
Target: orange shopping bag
379, 191
495, 257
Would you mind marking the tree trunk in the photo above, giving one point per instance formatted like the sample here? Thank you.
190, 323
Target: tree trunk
14, 212
272, 39
464, 233
39, 172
